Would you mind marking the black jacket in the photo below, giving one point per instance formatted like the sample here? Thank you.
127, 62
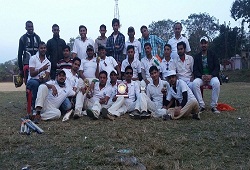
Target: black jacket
28, 46
213, 65
54, 51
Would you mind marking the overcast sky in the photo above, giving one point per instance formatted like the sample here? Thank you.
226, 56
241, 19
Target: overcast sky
92, 13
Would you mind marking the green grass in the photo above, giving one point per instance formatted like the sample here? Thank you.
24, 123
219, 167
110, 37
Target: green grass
215, 142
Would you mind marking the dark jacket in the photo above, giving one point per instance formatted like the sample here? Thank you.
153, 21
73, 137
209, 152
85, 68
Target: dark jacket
213, 65
28, 46
55, 51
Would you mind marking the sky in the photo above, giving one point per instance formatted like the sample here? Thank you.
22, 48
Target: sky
92, 13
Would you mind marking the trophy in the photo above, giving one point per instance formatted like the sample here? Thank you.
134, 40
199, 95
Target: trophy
122, 89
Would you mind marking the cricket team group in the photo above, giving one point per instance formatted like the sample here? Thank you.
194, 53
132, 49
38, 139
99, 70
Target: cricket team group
111, 76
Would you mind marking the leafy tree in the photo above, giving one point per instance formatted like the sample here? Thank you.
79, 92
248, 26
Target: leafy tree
198, 25
228, 43
241, 10
163, 29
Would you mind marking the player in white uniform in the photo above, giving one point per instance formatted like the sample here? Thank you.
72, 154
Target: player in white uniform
50, 97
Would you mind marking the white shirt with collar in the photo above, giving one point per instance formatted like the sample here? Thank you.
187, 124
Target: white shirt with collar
62, 94
136, 66
181, 87
146, 64
155, 94
88, 67
80, 47
71, 78
133, 92
136, 44
184, 69
173, 42
167, 66
101, 93
36, 63
108, 64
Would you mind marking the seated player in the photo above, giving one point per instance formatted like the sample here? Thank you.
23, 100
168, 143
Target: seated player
186, 102
50, 96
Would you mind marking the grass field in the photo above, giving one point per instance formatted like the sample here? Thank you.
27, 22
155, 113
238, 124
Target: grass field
215, 142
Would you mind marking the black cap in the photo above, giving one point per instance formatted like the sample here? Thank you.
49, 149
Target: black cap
101, 47
131, 29
90, 47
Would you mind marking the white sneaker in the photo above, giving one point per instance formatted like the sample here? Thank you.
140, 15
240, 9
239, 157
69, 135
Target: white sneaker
215, 110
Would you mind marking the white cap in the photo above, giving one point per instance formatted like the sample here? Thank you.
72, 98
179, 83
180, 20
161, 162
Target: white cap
113, 71
204, 38
171, 73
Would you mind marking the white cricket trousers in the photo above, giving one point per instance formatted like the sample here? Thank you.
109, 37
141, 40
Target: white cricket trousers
215, 83
48, 111
147, 104
121, 106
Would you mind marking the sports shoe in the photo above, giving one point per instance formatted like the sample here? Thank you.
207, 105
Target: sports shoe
196, 116
202, 109
92, 114
106, 114
145, 115
135, 114
166, 117
215, 110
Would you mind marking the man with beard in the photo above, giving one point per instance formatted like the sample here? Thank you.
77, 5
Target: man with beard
39, 69
206, 71
28, 46
184, 65
55, 50
50, 97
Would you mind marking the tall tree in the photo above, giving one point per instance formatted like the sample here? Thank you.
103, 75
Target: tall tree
198, 25
163, 29
228, 43
241, 10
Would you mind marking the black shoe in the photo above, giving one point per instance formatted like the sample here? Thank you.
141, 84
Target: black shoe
166, 117
202, 109
196, 116
91, 114
135, 114
145, 115
106, 114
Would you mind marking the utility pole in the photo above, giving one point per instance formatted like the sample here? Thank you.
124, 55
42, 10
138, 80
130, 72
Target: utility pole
116, 10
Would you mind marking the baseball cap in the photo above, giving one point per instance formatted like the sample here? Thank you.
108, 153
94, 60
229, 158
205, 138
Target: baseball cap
101, 47
60, 71
171, 73
90, 47
113, 71
204, 38
131, 29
